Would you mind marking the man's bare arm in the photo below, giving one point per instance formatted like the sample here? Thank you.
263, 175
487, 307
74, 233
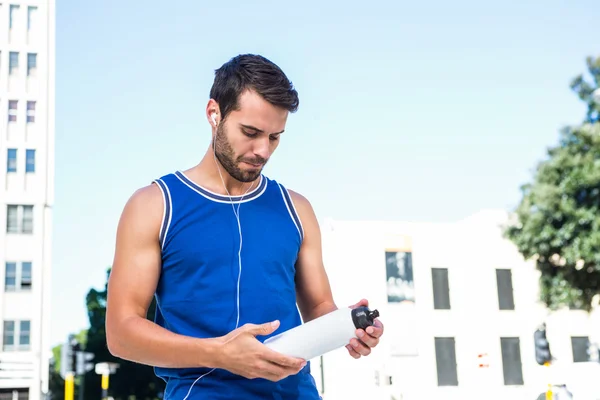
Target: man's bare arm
131, 287
314, 295
312, 284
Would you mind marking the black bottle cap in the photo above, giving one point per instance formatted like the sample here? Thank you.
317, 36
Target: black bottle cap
363, 317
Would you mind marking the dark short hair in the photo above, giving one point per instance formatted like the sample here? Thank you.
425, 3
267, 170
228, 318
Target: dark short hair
254, 72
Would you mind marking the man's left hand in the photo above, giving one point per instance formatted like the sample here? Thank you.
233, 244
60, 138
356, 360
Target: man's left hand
368, 339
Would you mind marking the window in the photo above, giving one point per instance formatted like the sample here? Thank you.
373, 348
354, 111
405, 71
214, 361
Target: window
11, 160
26, 275
511, 360
9, 335
12, 110
17, 340
10, 276
580, 346
14, 12
19, 219
27, 226
31, 64
25, 334
399, 276
445, 357
30, 161
17, 276
12, 219
31, 16
13, 62
441, 290
30, 111
16, 394
506, 299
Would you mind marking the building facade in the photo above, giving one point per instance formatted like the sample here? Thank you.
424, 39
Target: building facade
27, 76
460, 307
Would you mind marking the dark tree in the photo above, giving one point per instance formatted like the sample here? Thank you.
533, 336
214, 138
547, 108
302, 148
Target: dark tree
132, 380
557, 222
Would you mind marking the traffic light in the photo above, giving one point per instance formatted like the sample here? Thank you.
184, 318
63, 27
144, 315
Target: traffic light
67, 356
542, 346
73, 360
81, 364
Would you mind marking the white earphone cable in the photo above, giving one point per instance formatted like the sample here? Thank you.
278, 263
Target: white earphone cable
237, 217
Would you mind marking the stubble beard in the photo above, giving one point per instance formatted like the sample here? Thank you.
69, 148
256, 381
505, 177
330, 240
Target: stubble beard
226, 156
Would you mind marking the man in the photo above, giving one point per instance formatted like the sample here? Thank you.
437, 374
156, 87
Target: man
230, 255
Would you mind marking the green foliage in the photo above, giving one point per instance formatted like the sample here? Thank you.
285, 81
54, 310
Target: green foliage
56, 357
81, 338
56, 384
557, 221
585, 90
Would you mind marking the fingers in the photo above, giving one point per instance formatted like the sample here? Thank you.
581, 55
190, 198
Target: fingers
362, 303
274, 371
283, 360
376, 330
267, 370
352, 352
367, 339
291, 369
263, 329
360, 347
288, 362
372, 332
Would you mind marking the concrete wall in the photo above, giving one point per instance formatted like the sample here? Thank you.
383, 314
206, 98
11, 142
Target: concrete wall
471, 250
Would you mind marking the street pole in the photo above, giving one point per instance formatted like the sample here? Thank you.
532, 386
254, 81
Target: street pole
81, 386
105, 386
322, 376
69, 386
105, 370
549, 395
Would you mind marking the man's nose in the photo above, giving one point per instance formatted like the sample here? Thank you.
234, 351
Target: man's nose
262, 148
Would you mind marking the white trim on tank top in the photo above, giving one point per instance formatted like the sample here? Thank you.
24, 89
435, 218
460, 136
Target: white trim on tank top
299, 228
246, 198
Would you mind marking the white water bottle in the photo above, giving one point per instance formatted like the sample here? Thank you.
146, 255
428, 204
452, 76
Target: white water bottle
324, 334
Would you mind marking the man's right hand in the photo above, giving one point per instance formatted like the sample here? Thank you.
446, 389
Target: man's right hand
242, 354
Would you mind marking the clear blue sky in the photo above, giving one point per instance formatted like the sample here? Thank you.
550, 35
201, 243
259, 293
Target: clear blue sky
421, 112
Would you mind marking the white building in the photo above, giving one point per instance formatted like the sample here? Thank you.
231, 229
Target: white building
447, 294
27, 76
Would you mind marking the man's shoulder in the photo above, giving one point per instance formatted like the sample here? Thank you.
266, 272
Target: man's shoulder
142, 213
155, 190
148, 193
297, 198
146, 199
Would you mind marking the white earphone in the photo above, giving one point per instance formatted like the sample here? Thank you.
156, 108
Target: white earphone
214, 118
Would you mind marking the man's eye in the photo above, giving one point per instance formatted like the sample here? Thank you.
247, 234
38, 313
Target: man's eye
274, 138
249, 134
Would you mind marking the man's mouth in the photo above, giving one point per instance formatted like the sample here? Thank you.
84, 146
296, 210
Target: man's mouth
254, 163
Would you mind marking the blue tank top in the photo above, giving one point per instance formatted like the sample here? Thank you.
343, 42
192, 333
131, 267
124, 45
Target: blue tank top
197, 290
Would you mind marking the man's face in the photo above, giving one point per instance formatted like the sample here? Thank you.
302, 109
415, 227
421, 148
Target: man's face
246, 139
